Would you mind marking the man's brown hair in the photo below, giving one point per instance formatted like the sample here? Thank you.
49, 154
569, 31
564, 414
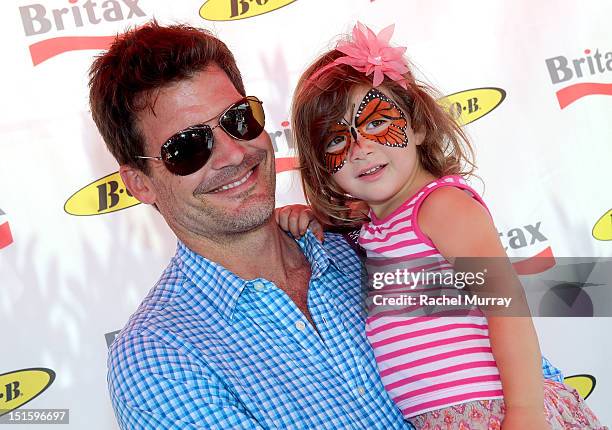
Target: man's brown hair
123, 81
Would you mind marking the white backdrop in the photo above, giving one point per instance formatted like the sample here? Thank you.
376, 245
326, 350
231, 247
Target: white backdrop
68, 282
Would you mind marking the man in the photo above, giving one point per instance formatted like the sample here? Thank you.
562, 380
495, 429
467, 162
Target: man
246, 328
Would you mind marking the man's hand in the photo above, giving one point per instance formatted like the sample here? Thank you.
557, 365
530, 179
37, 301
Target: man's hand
296, 219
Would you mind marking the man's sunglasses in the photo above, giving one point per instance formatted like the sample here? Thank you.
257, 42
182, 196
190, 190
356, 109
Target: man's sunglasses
188, 150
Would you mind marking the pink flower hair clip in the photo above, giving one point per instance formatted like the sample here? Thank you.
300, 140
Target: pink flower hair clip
370, 53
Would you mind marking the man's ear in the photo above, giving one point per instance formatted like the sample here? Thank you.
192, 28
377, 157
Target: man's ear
138, 184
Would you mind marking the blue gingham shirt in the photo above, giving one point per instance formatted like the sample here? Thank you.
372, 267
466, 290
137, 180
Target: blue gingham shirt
207, 349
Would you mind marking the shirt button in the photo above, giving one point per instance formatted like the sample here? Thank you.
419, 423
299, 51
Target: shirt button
361, 391
258, 286
300, 325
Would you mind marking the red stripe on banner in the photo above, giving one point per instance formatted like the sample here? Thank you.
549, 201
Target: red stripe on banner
536, 264
569, 95
6, 238
285, 164
45, 49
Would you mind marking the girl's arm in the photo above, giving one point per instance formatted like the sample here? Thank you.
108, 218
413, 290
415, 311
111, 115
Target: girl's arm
459, 226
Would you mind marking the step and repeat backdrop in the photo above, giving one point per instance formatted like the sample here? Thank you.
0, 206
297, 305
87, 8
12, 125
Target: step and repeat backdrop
532, 81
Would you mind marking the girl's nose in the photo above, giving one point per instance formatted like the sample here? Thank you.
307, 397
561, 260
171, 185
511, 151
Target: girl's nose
360, 147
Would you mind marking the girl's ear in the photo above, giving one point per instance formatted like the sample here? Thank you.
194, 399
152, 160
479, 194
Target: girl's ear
138, 184
419, 136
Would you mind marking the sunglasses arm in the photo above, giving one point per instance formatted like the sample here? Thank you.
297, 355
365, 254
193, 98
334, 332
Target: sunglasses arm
148, 158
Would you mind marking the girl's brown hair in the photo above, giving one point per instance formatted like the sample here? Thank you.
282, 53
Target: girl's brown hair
320, 102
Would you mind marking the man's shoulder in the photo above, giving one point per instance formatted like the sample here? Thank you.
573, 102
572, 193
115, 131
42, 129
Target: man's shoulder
335, 239
343, 251
157, 321
150, 313
161, 298
338, 243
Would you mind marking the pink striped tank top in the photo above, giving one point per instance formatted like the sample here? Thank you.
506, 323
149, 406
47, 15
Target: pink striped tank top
425, 362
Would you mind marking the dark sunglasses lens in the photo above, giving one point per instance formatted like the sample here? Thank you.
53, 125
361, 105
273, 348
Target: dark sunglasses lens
187, 151
245, 120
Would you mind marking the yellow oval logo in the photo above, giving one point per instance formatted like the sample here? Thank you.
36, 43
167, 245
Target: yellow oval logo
107, 194
231, 10
469, 105
584, 384
19, 387
603, 227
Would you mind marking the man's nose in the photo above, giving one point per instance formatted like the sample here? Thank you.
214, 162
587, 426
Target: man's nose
226, 150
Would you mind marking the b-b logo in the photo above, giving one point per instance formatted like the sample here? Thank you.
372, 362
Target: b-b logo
19, 387
107, 194
469, 105
230, 10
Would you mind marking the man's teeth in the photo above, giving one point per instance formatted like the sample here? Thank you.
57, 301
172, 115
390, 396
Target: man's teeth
234, 184
372, 170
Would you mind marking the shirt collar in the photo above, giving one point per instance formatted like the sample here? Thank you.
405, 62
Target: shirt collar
224, 288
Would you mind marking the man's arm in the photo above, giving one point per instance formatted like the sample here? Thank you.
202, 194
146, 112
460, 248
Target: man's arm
154, 386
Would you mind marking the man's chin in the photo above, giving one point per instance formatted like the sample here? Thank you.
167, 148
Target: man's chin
252, 213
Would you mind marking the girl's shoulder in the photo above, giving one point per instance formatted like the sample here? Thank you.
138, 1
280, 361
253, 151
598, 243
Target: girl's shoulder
450, 203
455, 220
446, 187
449, 194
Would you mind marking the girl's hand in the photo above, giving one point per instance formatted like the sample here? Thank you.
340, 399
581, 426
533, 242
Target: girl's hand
527, 418
296, 219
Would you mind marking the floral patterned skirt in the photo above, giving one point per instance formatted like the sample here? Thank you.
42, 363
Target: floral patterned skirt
565, 410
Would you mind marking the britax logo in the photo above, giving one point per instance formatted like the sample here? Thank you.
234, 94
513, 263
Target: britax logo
39, 19
528, 236
563, 69
6, 238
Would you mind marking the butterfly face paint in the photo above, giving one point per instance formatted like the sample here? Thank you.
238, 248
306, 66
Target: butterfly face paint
378, 119
337, 144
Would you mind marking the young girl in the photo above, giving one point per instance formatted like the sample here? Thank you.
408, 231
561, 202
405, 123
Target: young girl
368, 133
